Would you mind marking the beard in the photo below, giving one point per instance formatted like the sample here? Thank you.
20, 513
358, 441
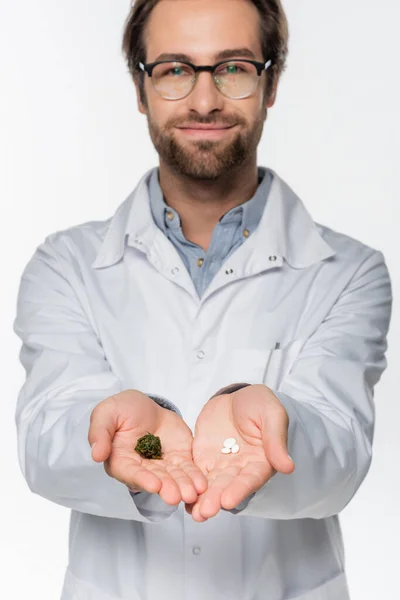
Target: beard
206, 159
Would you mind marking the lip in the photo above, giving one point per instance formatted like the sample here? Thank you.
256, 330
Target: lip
202, 132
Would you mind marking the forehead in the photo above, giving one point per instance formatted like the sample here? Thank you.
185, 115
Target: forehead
201, 29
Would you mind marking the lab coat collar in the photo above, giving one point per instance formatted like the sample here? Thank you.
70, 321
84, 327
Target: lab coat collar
286, 229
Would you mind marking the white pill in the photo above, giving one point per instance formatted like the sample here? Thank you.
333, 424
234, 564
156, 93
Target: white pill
226, 450
235, 449
229, 442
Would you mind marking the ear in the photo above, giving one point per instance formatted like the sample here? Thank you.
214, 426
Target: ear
142, 108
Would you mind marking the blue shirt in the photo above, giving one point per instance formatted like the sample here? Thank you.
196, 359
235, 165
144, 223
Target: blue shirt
229, 233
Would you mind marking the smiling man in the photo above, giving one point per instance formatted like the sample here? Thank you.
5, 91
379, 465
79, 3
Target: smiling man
214, 314
205, 128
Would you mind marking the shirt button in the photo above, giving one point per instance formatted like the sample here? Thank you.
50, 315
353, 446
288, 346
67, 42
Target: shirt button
201, 354
196, 550
246, 233
170, 215
200, 262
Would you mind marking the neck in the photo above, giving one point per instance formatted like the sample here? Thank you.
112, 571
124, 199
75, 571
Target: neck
201, 204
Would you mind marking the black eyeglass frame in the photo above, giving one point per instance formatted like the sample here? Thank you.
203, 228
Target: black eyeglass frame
148, 68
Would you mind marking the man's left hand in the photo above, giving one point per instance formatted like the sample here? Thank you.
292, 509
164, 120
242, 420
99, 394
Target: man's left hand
259, 422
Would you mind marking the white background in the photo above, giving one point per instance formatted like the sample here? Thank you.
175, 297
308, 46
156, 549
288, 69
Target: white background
73, 146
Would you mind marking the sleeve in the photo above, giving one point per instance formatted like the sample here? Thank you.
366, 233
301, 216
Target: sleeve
67, 375
329, 398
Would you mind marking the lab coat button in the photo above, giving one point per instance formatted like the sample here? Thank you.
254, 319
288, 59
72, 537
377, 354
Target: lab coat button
175, 271
196, 550
229, 271
272, 258
201, 354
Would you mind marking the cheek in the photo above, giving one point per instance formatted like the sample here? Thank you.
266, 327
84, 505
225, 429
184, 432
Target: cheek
250, 110
161, 116
260, 111
165, 114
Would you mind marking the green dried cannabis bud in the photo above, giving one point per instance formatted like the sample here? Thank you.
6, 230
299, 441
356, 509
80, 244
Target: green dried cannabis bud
149, 446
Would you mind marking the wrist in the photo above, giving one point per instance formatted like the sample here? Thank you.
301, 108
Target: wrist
229, 389
166, 404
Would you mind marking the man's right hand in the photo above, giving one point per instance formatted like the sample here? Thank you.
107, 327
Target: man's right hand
118, 422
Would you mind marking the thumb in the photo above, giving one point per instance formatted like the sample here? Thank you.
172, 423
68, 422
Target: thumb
103, 425
274, 433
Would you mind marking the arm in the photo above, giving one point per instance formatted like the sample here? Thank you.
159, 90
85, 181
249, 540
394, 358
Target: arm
67, 375
328, 396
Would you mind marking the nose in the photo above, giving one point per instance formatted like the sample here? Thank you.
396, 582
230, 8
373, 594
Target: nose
205, 98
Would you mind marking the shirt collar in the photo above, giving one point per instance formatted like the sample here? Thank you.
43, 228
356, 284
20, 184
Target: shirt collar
286, 228
246, 215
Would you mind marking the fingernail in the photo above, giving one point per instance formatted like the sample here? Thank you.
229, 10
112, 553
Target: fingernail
291, 458
93, 446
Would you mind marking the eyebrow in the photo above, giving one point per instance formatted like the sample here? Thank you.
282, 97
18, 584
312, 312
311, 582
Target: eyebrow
243, 52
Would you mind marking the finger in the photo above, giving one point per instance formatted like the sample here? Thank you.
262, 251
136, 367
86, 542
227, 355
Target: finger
134, 476
170, 491
250, 479
163, 485
210, 501
275, 439
197, 516
103, 424
181, 476
198, 478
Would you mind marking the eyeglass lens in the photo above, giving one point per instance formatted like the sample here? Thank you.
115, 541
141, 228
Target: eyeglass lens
175, 80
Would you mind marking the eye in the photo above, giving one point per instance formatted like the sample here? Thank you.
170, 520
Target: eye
177, 71
231, 69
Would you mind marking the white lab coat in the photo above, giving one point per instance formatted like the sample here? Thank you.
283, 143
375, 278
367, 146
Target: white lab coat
109, 306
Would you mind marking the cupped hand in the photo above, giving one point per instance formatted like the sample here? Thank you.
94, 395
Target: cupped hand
115, 426
259, 422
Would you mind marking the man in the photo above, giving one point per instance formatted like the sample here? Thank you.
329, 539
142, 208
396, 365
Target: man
209, 307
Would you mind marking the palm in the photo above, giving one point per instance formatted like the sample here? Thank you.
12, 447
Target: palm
231, 477
175, 477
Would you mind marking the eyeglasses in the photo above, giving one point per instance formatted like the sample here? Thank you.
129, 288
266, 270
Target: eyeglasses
235, 79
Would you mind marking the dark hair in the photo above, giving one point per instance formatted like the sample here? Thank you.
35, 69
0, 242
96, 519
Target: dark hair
274, 39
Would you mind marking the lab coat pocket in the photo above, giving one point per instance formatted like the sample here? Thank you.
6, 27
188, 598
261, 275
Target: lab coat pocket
268, 366
279, 363
245, 365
